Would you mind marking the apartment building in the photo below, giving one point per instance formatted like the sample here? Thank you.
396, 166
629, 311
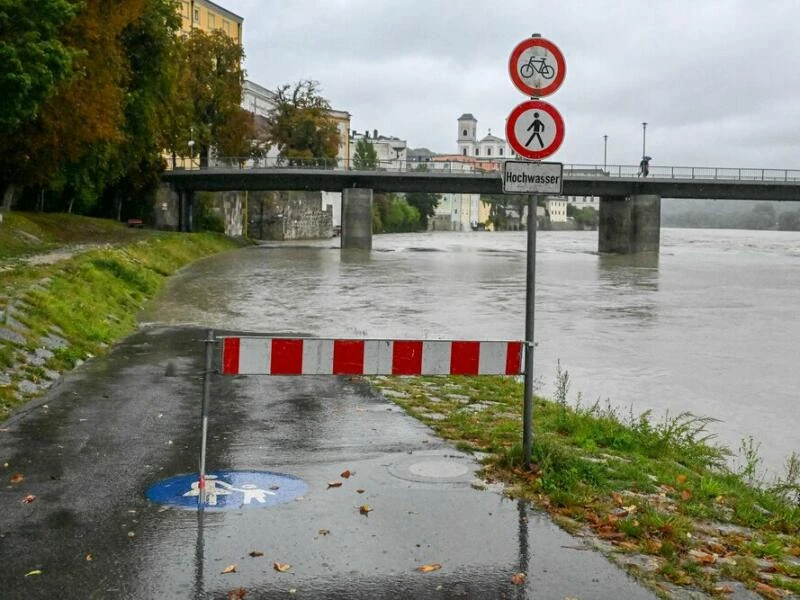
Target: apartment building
208, 16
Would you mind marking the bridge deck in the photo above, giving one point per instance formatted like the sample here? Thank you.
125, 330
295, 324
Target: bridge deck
619, 180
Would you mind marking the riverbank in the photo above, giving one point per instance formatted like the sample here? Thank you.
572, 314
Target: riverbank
656, 498
72, 286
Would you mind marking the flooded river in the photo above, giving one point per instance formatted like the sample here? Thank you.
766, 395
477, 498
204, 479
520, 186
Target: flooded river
711, 327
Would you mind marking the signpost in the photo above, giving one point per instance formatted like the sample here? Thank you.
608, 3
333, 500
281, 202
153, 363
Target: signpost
534, 130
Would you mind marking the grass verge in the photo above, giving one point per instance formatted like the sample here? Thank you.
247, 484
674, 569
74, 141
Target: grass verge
54, 316
658, 498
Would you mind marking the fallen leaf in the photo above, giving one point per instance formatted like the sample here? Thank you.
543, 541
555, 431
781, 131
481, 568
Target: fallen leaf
723, 589
429, 568
89, 557
768, 591
681, 479
617, 498
334, 484
281, 567
702, 557
229, 569
34, 572
236, 594
16, 478
365, 509
686, 494
359, 491
518, 578
324, 531
28, 499
256, 553
346, 474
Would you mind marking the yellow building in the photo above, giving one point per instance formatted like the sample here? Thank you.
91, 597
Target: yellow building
207, 16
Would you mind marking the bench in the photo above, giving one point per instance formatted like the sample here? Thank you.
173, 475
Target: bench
135, 223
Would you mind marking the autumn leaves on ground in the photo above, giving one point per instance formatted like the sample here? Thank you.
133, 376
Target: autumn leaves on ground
658, 498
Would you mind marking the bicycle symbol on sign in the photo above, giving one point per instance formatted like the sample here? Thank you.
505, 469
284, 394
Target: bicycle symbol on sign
537, 65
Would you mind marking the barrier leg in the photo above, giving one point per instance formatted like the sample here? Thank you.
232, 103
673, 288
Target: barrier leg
210, 341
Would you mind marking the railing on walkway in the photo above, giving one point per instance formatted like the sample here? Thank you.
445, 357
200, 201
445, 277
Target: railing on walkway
458, 167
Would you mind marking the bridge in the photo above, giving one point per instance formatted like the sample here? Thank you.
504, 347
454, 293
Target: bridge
630, 205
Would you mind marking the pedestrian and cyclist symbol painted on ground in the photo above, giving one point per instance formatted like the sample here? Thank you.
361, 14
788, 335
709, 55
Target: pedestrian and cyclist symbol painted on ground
228, 490
537, 67
535, 129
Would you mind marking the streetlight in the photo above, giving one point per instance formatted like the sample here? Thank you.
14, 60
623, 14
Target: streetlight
644, 131
191, 152
605, 151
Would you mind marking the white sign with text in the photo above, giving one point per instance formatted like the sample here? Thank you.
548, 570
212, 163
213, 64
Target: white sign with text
523, 177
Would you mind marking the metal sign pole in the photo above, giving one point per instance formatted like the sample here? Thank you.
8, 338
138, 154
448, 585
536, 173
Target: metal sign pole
210, 341
530, 300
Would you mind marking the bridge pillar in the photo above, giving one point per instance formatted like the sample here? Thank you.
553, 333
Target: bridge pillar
357, 218
629, 224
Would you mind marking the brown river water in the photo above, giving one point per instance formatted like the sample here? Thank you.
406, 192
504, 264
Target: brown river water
712, 326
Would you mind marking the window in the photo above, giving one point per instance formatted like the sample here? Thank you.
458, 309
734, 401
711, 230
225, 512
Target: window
501, 152
488, 152
477, 152
212, 21
464, 133
226, 27
464, 151
197, 15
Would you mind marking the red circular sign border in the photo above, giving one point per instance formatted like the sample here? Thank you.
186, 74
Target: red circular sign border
517, 79
512, 137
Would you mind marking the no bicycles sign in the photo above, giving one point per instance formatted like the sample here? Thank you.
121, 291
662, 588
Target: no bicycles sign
537, 67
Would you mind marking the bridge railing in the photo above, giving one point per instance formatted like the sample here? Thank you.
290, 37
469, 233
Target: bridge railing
458, 166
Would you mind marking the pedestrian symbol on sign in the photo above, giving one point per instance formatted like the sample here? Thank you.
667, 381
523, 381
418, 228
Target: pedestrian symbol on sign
537, 127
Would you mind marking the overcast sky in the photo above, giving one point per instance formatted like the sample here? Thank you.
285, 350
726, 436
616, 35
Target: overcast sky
718, 82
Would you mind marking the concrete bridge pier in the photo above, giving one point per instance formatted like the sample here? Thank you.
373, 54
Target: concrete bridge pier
629, 224
357, 218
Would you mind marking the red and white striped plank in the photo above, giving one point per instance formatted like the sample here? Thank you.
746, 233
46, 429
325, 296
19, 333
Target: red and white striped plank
312, 356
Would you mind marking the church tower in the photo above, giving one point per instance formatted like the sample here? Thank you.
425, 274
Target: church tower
467, 128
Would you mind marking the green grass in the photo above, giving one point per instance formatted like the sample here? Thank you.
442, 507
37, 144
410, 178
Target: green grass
653, 487
91, 299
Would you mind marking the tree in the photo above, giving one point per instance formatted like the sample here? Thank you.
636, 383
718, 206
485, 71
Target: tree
34, 60
206, 102
300, 125
365, 156
77, 123
424, 202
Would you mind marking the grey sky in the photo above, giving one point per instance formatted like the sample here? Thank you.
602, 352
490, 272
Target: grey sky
718, 82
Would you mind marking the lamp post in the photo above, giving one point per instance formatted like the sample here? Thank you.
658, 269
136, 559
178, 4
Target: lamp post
191, 153
644, 132
605, 151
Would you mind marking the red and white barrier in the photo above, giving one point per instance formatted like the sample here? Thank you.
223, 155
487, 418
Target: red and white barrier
311, 356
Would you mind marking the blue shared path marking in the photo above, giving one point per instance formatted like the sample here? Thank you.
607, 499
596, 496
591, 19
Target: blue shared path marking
228, 490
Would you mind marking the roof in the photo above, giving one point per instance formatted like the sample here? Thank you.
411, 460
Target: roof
492, 138
224, 11
467, 116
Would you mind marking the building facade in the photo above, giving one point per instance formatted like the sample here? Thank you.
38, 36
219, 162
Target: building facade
208, 16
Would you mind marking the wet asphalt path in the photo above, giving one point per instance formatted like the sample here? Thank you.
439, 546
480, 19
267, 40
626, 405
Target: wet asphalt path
91, 448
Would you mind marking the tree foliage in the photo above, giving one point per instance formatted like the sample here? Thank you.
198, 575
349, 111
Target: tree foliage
300, 125
424, 202
393, 214
365, 156
33, 59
